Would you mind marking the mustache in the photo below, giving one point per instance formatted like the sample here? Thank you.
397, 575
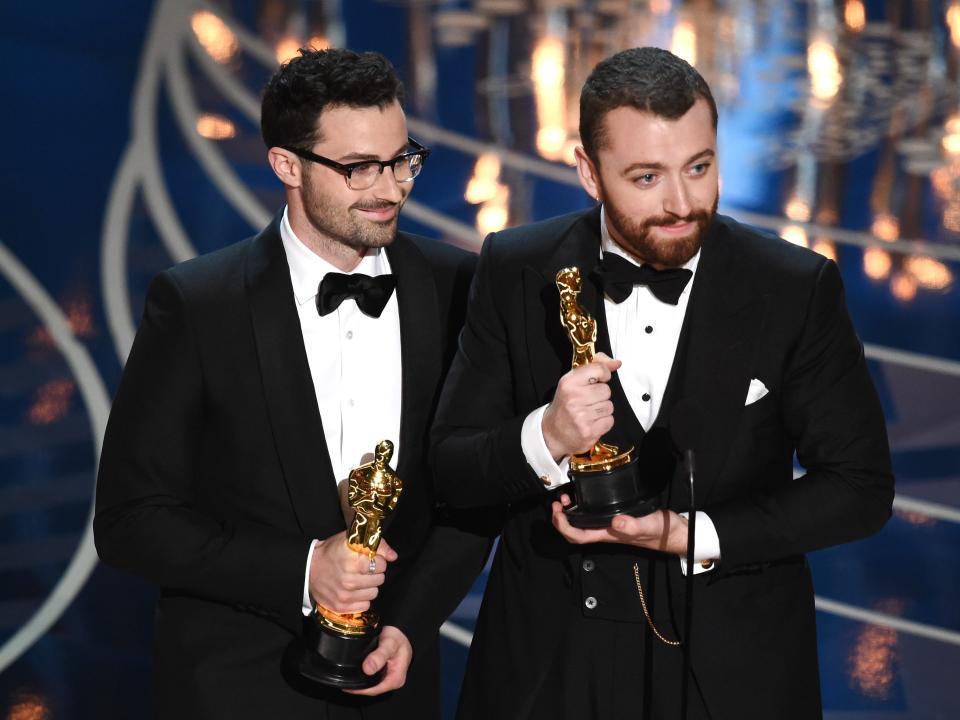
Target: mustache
698, 216
377, 205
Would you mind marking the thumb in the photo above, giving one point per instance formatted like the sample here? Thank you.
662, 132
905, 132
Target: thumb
388, 552
623, 524
378, 658
608, 362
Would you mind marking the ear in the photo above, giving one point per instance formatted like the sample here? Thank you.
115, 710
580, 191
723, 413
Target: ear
286, 166
587, 173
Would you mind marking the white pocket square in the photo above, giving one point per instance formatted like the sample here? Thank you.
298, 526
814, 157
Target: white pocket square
756, 391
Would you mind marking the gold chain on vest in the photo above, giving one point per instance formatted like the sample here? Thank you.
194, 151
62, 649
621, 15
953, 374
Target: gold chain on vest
646, 613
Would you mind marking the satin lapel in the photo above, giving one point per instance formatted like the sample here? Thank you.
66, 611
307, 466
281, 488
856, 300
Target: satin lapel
421, 346
551, 359
724, 321
288, 388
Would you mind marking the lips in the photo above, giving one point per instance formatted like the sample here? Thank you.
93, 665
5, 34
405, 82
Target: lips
382, 214
677, 228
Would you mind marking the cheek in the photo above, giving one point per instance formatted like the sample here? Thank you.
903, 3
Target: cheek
637, 205
706, 193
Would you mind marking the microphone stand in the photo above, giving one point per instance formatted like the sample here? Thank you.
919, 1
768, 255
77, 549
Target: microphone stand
688, 466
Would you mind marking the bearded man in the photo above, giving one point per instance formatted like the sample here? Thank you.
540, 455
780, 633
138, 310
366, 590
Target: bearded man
261, 375
689, 305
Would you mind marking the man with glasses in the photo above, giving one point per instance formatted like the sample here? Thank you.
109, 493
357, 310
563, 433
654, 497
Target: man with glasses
263, 374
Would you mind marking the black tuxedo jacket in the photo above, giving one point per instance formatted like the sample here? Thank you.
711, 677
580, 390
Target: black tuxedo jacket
759, 308
215, 477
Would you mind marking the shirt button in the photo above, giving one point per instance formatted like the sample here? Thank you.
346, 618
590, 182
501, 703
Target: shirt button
588, 565
646, 397
349, 334
648, 329
590, 602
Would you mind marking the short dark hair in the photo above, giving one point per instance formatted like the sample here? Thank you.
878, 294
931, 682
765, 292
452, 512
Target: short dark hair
319, 79
648, 79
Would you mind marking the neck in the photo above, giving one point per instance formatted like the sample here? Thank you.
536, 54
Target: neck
342, 256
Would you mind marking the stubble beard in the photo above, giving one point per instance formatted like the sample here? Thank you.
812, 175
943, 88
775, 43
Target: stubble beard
639, 241
344, 226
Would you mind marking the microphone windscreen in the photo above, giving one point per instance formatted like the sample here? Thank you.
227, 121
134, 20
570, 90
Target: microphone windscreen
686, 424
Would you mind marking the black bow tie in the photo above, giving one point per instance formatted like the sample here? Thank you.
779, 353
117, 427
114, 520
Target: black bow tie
618, 276
371, 293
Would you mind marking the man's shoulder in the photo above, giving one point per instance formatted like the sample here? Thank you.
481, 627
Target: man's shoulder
439, 254
769, 252
212, 271
528, 243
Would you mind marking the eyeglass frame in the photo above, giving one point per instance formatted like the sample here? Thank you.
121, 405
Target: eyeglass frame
346, 169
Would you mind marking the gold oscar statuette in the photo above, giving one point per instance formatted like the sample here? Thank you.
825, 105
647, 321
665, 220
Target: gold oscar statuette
374, 489
582, 330
334, 644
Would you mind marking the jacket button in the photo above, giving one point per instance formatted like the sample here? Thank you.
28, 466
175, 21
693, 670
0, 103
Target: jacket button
590, 602
588, 565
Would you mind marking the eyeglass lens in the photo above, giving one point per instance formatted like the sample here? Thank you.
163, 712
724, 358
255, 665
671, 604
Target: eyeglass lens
405, 169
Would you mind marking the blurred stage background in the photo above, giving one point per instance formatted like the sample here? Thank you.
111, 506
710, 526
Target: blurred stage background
130, 142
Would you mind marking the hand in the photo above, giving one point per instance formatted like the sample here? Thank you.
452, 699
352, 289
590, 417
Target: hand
394, 651
340, 578
581, 410
663, 530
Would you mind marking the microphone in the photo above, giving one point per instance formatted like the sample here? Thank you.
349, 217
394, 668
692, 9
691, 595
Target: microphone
686, 428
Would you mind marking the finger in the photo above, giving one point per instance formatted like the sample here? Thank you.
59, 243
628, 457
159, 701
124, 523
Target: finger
607, 362
626, 526
579, 536
393, 679
387, 552
565, 500
361, 564
359, 595
598, 428
601, 409
347, 608
593, 373
387, 655
386, 648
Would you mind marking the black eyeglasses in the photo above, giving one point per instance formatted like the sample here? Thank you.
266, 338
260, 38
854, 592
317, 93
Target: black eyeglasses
362, 175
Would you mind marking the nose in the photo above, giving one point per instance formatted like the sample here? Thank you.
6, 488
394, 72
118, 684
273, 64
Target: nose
677, 199
387, 187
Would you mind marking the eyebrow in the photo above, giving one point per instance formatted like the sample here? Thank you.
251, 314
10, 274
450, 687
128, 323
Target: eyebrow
702, 155
361, 157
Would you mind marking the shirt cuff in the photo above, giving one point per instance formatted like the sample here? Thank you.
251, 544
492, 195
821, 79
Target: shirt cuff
307, 607
706, 545
538, 457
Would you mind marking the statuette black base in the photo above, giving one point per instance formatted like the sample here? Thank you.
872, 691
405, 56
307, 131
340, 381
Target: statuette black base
599, 496
322, 656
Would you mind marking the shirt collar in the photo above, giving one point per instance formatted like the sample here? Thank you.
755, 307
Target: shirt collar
307, 268
607, 244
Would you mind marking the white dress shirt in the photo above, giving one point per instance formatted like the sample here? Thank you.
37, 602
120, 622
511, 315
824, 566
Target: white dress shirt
354, 362
644, 333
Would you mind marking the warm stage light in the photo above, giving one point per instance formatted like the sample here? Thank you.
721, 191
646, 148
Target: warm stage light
214, 36
824, 69
215, 127
794, 234
877, 263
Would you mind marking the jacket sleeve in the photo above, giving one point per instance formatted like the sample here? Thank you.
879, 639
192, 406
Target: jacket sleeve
833, 417
476, 437
148, 520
